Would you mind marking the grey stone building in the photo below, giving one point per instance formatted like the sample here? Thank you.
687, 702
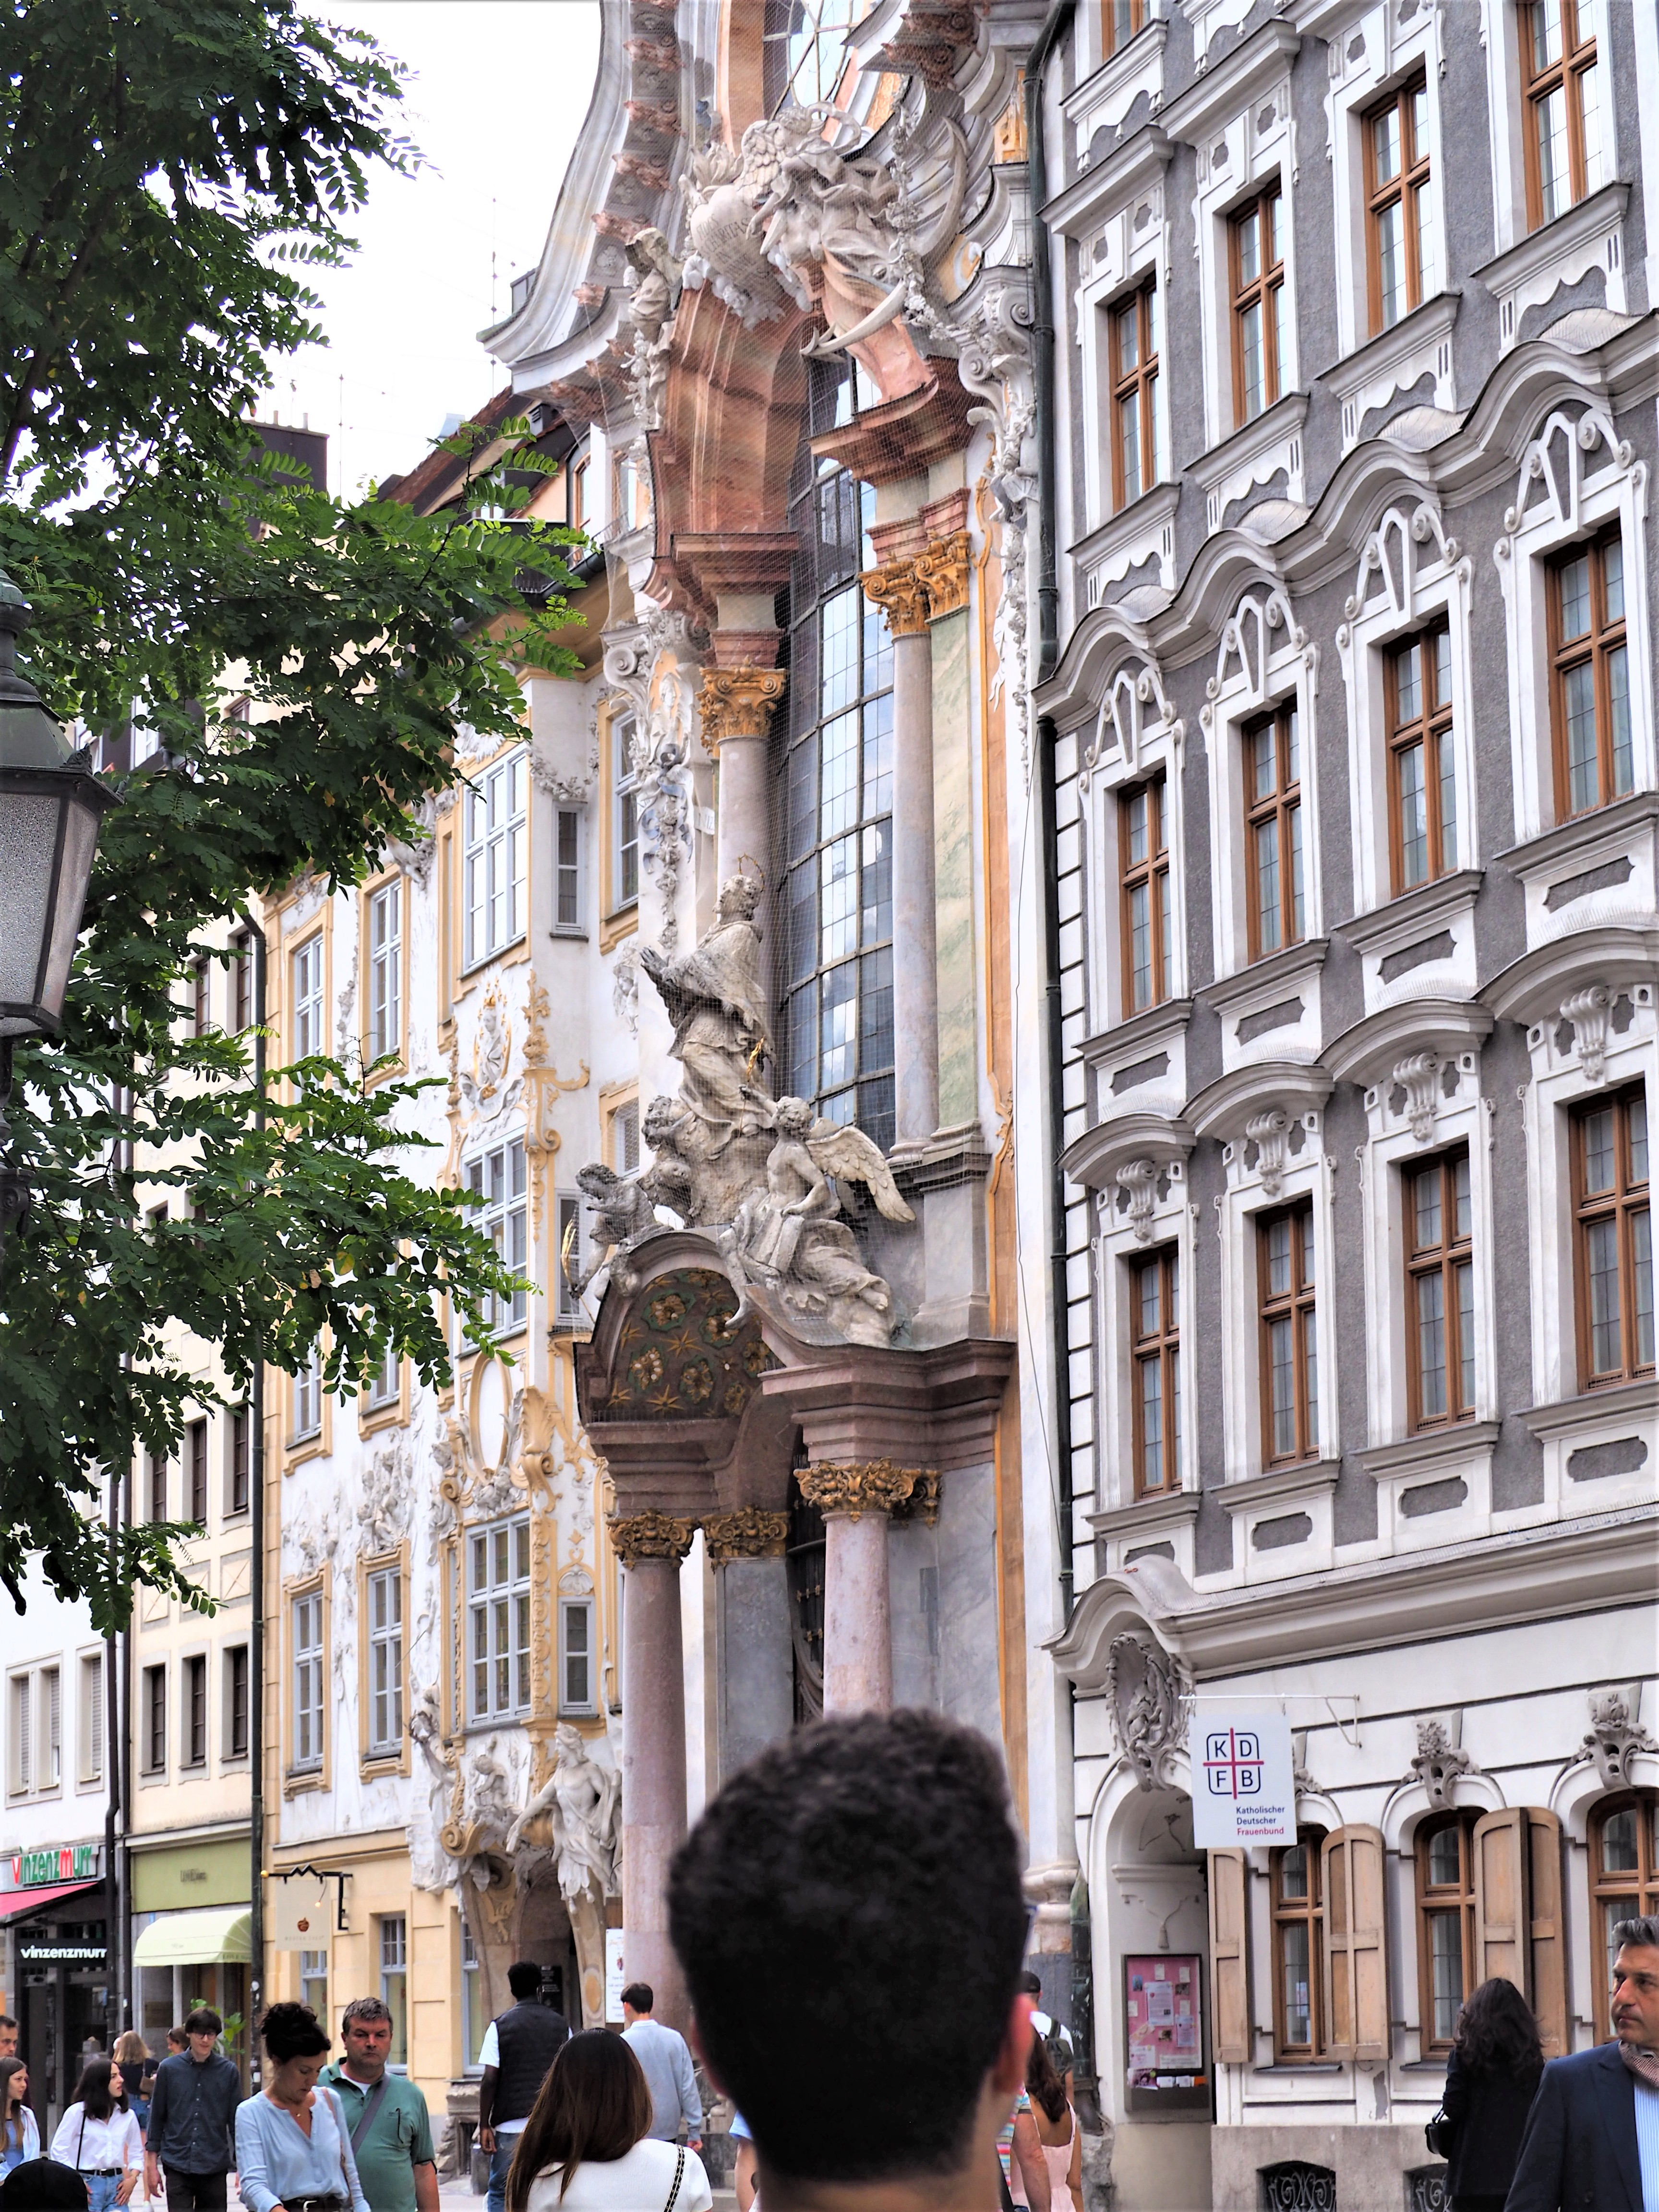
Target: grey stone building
1353, 728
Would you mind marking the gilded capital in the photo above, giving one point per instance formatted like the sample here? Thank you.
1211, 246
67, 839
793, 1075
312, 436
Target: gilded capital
748, 1534
943, 571
737, 702
900, 593
651, 1536
854, 1487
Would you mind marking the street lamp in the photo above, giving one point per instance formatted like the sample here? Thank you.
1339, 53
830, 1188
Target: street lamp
50, 803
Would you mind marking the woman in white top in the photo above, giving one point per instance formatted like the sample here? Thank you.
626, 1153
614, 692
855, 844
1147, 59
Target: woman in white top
99, 2136
19, 2132
585, 2148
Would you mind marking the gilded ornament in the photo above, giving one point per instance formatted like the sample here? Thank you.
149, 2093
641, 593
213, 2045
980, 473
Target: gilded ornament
646, 1368
664, 1310
748, 1534
735, 1400
651, 1536
943, 572
697, 1380
737, 702
855, 1487
900, 594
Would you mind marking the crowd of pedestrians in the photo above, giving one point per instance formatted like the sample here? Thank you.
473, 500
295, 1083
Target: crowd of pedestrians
842, 1871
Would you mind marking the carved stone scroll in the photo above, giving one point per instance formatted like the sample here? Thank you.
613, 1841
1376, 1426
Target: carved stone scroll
900, 594
943, 573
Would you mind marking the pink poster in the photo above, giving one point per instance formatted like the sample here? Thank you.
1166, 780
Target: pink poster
1163, 2029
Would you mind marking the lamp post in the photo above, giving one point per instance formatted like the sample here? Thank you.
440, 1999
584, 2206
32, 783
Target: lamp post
50, 804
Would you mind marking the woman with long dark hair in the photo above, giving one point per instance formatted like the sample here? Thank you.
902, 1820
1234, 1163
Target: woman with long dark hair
1057, 2131
1497, 2056
19, 2132
100, 2138
585, 2147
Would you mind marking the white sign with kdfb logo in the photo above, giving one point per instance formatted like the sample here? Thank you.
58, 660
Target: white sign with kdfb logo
1244, 1787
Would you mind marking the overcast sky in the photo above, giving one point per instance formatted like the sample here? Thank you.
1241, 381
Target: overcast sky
497, 95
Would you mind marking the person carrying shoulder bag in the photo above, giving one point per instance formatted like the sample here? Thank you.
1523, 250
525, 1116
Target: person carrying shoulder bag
293, 2146
1491, 2077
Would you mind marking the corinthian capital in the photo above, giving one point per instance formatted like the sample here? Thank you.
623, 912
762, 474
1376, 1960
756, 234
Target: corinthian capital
737, 702
748, 1534
943, 570
651, 1536
854, 1487
900, 593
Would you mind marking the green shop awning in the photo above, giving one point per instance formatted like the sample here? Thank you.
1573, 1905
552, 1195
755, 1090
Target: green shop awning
216, 1933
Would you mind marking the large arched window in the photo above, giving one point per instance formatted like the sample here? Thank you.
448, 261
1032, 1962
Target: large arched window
1624, 1879
837, 786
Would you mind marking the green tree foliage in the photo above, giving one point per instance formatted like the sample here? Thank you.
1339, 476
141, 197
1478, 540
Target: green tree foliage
168, 168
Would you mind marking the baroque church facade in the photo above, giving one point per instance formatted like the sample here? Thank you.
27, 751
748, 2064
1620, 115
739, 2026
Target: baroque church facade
1062, 1019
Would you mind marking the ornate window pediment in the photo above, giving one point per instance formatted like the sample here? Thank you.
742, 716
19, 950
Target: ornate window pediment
1554, 472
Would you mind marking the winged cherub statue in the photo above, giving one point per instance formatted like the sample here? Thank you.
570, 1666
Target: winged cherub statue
619, 1210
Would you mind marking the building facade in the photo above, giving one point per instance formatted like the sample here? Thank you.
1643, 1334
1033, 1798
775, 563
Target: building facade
1353, 743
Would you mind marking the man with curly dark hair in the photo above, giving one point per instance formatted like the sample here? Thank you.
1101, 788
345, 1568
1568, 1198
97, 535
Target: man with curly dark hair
849, 1917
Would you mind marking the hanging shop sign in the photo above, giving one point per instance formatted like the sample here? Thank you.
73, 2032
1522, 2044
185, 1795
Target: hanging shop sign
77, 1948
1244, 1780
60, 1862
1163, 2032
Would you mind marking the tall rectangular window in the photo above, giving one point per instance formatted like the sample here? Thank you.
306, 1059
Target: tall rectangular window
386, 969
306, 1395
472, 2002
314, 1981
1155, 1314
624, 1132
385, 1383
306, 972
1272, 831
1144, 860
306, 1619
153, 1720
577, 1688
1299, 1949
1445, 1925
21, 1772
394, 1982
1260, 310
496, 839
1422, 766
1290, 1350
200, 997
498, 1604
240, 1440
52, 1727
498, 1177
568, 1206
567, 870
1564, 109
155, 1485
196, 1465
1403, 264
241, 981
1120, 20
1615, 1240
194, 1713
625, 806
1137, 459
89, 1717
236, 1691
1594, 753
1440, 1292
385, 1661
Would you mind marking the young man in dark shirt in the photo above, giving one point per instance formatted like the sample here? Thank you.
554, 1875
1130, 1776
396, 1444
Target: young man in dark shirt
192, 2113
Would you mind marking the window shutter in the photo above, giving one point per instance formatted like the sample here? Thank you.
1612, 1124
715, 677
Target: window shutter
1230, 1956
1500, 1897
1355, 1963
1547, 1934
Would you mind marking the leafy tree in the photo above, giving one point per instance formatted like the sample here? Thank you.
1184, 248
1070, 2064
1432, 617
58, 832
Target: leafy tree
167, 170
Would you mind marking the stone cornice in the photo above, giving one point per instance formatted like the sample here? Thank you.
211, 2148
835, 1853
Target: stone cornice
651, 1536
737, 702
748, 1534
851, 1488
1536, 983
1554, 241
1223, 1107
1148, 1517
1092, 1159
1366, 1052
1591, 1409
1416, 913
1278, 969
1227, 87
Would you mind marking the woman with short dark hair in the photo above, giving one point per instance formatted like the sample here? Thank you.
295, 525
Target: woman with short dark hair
99, 2136
292, 2142
585, 2147
1492, 2076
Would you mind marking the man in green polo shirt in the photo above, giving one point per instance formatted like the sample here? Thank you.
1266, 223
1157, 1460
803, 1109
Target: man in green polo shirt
385, 2113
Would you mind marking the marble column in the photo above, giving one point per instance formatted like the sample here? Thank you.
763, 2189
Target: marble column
751, 1602
855, 1497
651, 1546
901, 594
735, 710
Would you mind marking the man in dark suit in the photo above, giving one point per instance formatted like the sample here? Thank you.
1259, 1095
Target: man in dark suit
1592, 2139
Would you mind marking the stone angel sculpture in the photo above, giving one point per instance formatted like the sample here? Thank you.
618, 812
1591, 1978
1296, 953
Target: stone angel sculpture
619, 1210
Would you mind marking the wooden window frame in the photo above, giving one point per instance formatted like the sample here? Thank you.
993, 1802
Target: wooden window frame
312, 1770
1641, 1888
1402, 188
1300, 1304
1139, 384
239, 1461
238, 1659
1430, 729
1626, 1198
192, 1724
314, 946
1164, 1347
1283, 802
1576, 57
154, 1691
241, 981
1595, 646
485, 842
1110, 43
195, 1470
1308, 1913
1444, 1259
1459, 1897
1269, 278
201, 996
1151, 874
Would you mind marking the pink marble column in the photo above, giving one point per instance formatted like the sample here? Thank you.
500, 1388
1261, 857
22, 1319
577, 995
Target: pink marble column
651, 1546
855, 1499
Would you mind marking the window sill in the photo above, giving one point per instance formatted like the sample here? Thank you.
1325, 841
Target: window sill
474, 968
1560, 253
1300, 2067
1254, 454
1408, 914
1158, 1510
617, 925
1264, 972
1137, 532
1395, 360
570, 933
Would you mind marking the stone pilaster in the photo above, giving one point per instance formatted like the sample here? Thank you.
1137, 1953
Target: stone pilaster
757, 1703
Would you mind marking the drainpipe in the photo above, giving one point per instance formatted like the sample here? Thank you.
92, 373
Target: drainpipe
117, 2013
256, 1657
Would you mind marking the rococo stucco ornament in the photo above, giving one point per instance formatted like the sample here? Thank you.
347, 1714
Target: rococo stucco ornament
1616, 1734
1145, 1695
1440, 1757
